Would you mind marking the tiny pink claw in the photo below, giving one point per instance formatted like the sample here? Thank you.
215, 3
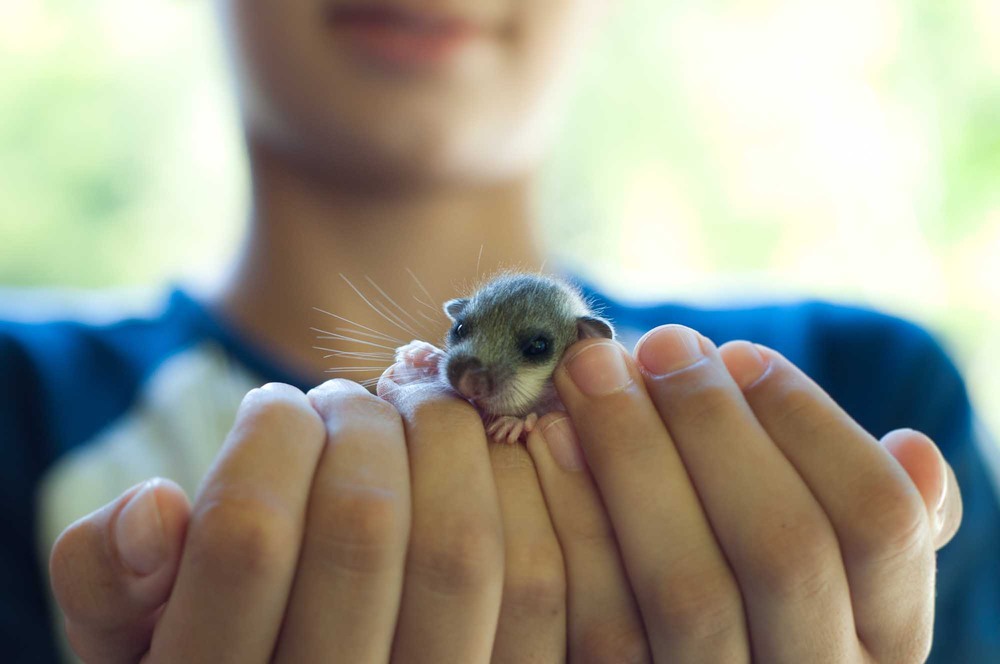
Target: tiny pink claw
498, 435
515, 432
530, 421
506, 428
502, 427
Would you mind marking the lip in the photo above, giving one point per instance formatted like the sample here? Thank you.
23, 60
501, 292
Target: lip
402, 37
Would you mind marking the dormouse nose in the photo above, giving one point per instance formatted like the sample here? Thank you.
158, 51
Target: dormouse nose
469, 377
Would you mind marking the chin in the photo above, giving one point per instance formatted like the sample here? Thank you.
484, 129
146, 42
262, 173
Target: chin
391, 148
467, 136
369, 130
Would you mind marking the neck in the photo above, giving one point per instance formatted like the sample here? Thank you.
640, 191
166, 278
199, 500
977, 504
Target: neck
305, 232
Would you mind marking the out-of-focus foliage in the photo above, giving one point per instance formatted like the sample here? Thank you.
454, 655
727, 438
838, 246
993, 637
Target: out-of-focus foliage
119, 155
790, 148
722, 149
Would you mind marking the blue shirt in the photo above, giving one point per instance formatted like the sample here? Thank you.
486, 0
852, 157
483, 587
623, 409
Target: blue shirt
88, 410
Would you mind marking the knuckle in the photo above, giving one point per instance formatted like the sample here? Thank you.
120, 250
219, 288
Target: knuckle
379, 407
83, 642
364, 408
915, 644
705, 401
361, 528
791, 559
794, 406
535, 580
466, 556
453, 411
510, 458
81, 588
890, 523
242, 536
611, 642
699, 605
279, 411
592, 528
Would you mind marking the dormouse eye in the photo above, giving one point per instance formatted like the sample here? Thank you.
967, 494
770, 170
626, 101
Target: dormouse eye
537, 348
459, 331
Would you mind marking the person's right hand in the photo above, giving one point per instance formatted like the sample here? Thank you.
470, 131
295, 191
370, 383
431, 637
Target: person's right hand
303, 546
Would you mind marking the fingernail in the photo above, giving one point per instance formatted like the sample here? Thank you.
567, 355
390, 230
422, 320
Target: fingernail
747, 365
142, 545
599, 369
939, 509
668, 349
564, 445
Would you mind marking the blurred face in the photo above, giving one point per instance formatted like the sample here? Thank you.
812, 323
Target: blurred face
405, 90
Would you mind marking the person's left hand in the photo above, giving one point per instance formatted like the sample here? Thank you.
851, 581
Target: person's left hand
717, 505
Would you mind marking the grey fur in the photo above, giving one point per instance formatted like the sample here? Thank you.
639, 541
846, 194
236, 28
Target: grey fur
498, 320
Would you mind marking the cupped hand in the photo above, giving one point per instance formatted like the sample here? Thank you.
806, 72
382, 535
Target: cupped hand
717, 505
330, 528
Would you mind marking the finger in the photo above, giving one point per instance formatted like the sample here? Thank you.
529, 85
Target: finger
933, 477
532, 625
244, 536
603, 618
950, 513
875, 509
776, 536
112, 570
688, 597
454, 565
350, 574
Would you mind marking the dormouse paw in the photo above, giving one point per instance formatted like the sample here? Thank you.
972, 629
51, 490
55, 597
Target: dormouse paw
508, 428
420, 355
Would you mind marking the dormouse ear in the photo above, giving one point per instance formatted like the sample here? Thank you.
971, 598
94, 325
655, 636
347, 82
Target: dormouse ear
588, 327
454, 307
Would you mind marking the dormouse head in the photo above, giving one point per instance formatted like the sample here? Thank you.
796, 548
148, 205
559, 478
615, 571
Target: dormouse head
506, 339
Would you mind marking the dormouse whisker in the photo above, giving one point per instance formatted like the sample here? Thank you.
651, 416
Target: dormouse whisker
360, 333
370, 304
393, 302
364, 327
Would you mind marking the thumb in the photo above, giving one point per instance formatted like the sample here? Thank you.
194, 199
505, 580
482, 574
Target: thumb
113, 569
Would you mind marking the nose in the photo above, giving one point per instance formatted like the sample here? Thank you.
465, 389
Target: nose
469, 377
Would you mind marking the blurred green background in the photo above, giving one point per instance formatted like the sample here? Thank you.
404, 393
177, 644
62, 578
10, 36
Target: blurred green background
714, 151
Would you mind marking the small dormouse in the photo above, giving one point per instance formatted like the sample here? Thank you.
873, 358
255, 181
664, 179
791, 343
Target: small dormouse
503, 346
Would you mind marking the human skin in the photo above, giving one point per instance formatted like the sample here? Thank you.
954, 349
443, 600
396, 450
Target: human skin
338, 522
334, 523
